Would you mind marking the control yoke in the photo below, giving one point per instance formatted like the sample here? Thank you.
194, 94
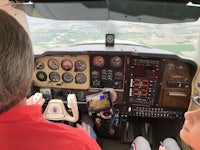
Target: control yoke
55, 109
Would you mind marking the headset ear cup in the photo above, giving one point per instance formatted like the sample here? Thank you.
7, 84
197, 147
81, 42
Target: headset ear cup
133, 147
113, 93
141, 143
101, 113
194, 103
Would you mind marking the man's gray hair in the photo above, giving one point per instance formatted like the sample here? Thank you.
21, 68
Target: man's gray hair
16, 62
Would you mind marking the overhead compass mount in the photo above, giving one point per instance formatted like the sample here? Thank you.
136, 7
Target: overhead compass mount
110, 39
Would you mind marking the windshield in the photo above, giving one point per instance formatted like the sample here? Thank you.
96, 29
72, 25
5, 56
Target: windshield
180, 38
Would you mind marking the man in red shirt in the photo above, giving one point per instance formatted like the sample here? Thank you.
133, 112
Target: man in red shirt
22, 126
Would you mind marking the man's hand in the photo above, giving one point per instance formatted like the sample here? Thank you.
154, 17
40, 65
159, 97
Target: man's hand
29, 101
84, 127
162, 148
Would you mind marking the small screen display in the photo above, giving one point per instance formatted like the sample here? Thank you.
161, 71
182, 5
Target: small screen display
99, 102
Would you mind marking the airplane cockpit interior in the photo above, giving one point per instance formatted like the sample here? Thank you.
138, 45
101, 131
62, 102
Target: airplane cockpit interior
126, 67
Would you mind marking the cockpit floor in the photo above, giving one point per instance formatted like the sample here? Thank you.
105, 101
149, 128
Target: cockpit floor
108, 144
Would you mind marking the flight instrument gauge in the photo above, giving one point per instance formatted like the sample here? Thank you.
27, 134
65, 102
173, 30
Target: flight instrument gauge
81, 96
66, 64
53, 64
95, 74
118, 75
40, 65
170, 66
67, 77
80, 78
54, 77
116, 62
98, 61
41, 76
80, 65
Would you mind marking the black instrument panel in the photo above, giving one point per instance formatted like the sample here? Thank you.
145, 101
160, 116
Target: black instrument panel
107, 71
144, 80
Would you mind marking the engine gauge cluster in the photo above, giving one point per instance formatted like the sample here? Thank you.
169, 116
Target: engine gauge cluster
64, 71
107, 71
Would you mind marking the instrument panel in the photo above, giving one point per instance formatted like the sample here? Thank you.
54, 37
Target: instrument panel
142, 81
62, 71
147, 84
